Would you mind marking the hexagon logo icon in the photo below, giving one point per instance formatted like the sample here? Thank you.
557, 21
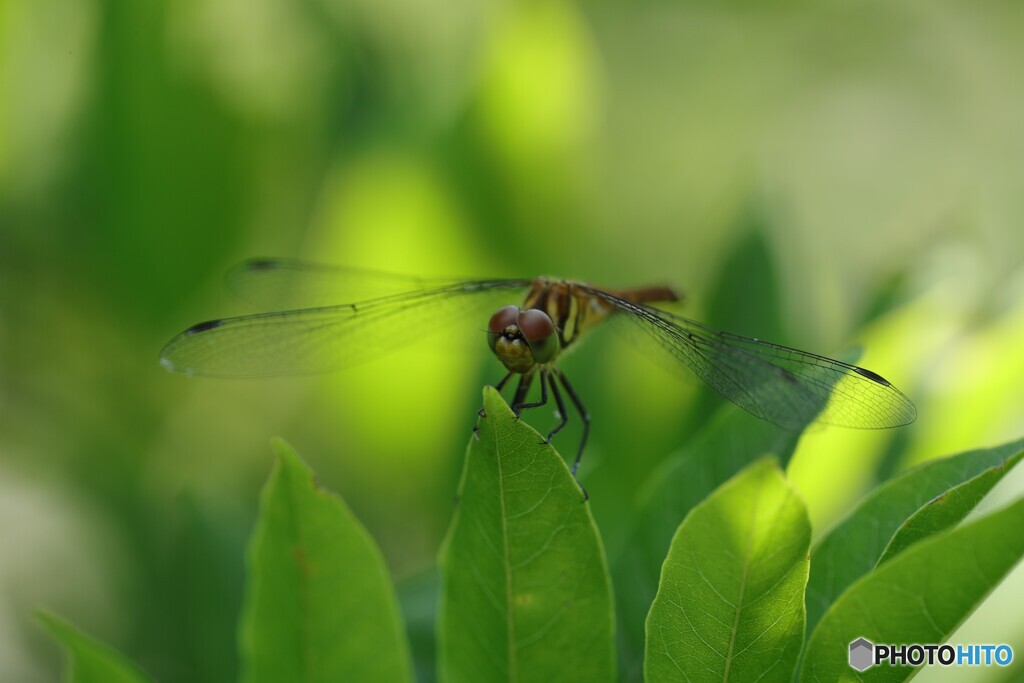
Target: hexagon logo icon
862, 654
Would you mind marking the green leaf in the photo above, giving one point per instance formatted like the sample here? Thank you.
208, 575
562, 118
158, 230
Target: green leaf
948, 509
319, 604
89, 661
418, 596
745, 295
730, 603
856, 544
920, 596
525, 592
730, 441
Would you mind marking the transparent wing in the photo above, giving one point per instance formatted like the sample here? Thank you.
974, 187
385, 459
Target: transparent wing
783, 385
331, 337
287, 284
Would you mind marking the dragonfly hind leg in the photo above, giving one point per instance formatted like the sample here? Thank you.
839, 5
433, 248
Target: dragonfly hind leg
562, 415
584, 415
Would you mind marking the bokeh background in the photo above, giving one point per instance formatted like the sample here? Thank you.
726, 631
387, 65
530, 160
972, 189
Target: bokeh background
828, 175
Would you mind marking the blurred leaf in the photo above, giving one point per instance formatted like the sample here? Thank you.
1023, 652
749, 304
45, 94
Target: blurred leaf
920, 596
730, 603
745, 297
948, 509
888, 294
525, 590
319, 604
166, 210
418, 598
205, 567
89, 661
854, 546
730, 441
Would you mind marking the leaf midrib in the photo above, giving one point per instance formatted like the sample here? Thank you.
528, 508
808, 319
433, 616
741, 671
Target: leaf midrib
513, 665
305, 603
743, 584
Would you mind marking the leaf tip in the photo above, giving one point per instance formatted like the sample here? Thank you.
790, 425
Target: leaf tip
50, 622
495, 410
493, 399
282, 448
288, 460
767, 464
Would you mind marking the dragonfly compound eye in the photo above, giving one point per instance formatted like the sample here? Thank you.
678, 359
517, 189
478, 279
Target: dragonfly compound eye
540, 334
501, 320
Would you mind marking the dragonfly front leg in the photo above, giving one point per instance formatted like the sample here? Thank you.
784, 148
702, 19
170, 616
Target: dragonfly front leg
517, 403
518, 406
504, 380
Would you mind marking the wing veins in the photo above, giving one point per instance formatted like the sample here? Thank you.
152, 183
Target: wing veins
302, 339
759, 375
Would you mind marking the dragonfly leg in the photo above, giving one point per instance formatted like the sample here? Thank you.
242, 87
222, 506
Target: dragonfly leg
504, 380
561, 412
518, 406
522, 390
584, 415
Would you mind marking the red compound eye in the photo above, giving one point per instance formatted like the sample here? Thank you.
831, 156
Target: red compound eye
535, 325
502, 318
540, 334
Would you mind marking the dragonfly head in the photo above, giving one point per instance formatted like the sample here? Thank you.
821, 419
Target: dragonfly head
521, 339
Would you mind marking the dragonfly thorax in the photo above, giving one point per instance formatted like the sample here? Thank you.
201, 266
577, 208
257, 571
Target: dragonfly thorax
522, 339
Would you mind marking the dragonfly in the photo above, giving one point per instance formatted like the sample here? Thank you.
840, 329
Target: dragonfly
307, 331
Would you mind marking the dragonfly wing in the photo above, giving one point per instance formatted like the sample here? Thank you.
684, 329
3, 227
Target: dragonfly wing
285, 284
331, 337
783, 385
844, 395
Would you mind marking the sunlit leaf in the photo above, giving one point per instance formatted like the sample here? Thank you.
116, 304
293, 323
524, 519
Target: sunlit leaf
730, 603
730, 441
89, 661
319, 604
525, 591
920, 596
855, 545
948, 509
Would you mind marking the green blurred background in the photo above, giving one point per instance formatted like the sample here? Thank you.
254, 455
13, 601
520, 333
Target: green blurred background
827, 175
